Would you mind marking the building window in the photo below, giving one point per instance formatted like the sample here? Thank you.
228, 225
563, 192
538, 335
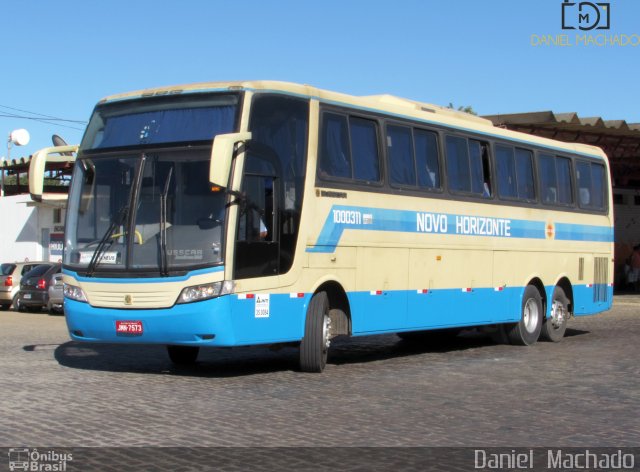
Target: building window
57, 216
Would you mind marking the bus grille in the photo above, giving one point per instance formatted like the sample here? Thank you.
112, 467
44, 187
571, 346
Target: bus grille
600, 277
132, 300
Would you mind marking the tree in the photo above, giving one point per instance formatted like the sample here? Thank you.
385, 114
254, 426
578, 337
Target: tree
466, 109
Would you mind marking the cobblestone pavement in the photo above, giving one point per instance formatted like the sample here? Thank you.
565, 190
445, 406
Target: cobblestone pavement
376, 391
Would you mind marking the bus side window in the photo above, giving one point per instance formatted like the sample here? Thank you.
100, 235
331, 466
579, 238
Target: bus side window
548, 179
335, 159
480, 168
565, 186
400, 154
427, 165
524, 174
364, 149
590, 178
506, 171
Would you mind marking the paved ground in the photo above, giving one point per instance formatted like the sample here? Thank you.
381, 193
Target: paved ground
376, 391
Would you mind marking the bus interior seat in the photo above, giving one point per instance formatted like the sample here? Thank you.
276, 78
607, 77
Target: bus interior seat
585, 197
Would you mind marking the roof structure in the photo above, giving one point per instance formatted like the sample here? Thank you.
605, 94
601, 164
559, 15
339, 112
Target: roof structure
617, 138
20, 165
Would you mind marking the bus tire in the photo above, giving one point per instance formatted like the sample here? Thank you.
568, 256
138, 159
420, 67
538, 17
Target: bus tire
527, 331
183, 355
555, 325
314, 346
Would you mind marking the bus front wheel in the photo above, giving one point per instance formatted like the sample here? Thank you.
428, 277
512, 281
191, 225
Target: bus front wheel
314, 346
183, 355
527, 331
555, 324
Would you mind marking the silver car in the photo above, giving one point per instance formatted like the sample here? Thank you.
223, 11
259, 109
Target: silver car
56, 297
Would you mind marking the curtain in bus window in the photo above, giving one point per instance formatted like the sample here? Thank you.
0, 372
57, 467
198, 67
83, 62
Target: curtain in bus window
506, 172
475, 161
426, 147
583, 178
364, 150
165, 126
335, 160
402, 170
597, 185
565, 190
458, 175
524, 174
548, 179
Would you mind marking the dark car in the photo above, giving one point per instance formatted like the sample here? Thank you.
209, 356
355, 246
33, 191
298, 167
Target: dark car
34, 287
10, 275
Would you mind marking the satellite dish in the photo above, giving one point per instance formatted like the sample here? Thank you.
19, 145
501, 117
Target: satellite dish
58, 141
20, 137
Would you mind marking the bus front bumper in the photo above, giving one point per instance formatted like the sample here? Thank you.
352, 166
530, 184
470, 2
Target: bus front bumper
206, 323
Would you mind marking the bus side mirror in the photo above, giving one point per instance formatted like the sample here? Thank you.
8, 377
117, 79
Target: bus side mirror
224, 146
37, 166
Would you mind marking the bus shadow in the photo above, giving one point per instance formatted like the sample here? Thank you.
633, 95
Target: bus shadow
245, 361
144, 359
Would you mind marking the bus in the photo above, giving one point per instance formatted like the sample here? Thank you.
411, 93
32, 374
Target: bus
270, 213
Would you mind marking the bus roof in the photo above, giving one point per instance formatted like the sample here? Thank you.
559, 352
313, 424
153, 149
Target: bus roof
385, 104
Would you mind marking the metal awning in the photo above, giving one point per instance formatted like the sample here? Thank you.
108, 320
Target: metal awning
617, 138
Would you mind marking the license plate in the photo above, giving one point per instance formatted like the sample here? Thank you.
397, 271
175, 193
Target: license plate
105, 258
27, 296
129, 327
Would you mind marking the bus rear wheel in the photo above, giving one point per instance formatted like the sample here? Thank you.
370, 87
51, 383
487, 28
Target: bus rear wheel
555, 325
527, 331
183, 355
314, 346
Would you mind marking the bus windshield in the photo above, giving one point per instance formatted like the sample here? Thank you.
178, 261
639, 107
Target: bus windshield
140, 200
161, 120
174, 223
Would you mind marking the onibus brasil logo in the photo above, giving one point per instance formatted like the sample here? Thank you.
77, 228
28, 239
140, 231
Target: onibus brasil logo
23, 458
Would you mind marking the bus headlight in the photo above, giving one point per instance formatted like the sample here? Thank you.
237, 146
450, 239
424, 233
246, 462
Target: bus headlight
74, 293
197, 293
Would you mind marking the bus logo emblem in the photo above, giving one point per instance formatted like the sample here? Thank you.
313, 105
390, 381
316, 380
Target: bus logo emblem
551, 230
128, 300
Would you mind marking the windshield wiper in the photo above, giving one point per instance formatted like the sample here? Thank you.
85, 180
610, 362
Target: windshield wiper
164, 266
102, 244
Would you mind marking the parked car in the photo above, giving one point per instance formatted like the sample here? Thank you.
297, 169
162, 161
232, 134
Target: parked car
34, 287
56, 295
10, 275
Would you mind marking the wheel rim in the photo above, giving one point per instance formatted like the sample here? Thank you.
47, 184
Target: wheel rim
531, 315
326, 331
557, 314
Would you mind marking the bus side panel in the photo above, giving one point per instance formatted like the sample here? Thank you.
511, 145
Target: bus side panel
269, 318
380, 300
590, 300
460, 307
382, 311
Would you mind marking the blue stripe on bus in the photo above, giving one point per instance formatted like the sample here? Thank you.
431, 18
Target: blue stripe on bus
573, 232
231, 319
114, 280
341, 218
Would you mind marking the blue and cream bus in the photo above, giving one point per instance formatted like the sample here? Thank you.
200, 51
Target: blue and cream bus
247, 213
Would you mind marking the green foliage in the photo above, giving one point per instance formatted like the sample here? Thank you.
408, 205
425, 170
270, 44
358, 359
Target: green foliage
467, 109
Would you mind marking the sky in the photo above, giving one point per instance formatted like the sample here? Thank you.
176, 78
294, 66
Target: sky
60, 58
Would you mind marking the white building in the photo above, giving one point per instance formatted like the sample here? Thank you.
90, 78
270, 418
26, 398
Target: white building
30, 231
